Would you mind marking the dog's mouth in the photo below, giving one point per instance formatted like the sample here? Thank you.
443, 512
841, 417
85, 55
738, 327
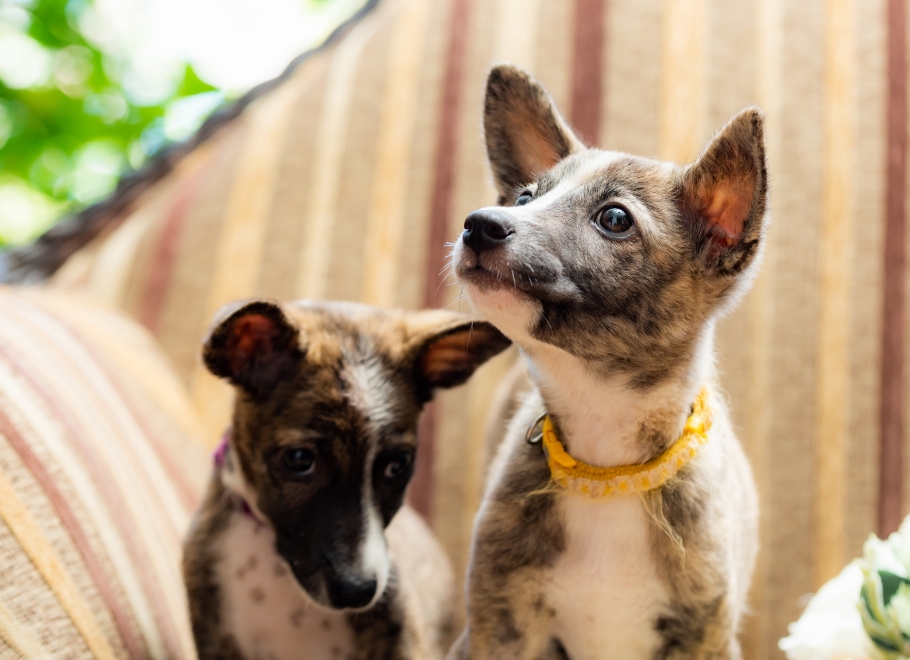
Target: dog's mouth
486, 278
331, 593
312, 586
495, 270
491, 270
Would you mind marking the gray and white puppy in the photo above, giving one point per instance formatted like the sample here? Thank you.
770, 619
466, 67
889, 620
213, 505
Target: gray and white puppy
609, 272
302, 548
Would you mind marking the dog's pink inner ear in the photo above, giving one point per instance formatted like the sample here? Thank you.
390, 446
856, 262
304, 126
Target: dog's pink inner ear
446, 359
721, 190
251, 335
535, 153
525, 134
449, 359
726, 209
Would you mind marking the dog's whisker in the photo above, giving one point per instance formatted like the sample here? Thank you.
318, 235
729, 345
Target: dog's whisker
447, 277
456, 301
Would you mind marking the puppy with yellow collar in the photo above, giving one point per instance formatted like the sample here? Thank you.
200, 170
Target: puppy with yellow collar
620, 516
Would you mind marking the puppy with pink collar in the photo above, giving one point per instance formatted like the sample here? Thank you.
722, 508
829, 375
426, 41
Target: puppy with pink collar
303, 547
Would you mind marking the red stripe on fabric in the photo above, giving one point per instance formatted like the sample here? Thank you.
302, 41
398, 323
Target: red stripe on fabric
421, 490
116, 507
444, 167
92, 563
164, 255
892, 420
188, 494
587, 68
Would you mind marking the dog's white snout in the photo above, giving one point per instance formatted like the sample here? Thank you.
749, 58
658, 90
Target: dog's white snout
374, 551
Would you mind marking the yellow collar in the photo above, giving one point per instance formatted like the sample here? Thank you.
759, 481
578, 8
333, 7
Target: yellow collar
600, 482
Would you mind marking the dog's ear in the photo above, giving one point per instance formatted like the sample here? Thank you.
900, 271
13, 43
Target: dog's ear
723, 195
253, 345
525, 133
449, 347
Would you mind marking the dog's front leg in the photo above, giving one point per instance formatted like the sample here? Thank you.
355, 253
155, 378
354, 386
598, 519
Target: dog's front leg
507, 619
517, 540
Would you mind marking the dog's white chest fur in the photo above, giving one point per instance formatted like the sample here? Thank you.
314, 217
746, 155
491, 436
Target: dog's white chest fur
264, 607
605, 590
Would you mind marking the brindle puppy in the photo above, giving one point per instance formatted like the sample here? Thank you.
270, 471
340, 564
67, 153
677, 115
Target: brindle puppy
609, 272
287, 557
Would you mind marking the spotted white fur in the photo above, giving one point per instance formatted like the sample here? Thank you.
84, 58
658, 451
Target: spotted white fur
264, 607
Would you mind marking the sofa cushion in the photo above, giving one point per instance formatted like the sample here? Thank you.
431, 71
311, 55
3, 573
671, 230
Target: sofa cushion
101, 466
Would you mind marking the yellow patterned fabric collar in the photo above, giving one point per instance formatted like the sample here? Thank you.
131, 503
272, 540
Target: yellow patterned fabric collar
600, 482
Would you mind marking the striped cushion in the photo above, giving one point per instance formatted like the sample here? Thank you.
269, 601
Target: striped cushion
101, 466
346, 180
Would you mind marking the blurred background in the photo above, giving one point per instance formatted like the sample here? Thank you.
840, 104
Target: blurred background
90, 89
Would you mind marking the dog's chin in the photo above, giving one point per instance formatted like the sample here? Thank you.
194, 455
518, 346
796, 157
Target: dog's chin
314, 590
508, 308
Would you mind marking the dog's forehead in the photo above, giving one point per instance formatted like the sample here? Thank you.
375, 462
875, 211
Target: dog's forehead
597, 168
342, 332
371, 392
355, 356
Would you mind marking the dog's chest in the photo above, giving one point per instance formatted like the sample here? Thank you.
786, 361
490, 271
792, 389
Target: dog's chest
265, 609
606, 591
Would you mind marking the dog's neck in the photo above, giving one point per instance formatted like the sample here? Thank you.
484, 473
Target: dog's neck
604, 421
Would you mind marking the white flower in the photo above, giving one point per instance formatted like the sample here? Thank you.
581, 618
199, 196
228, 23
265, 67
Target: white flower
830, 627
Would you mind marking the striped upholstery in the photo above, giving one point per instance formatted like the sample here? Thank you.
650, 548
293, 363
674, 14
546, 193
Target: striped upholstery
346, 181
101, 465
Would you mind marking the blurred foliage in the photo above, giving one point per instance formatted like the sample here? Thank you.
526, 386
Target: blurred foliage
90, 89
67, 129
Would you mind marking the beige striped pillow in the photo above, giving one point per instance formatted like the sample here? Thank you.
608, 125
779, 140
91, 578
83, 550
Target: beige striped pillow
101, 466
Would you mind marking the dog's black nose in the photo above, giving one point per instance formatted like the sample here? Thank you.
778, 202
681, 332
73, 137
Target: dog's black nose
351, 593
486, 229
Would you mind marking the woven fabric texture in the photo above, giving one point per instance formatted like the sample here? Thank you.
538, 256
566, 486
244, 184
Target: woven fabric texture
346, 181
101, 466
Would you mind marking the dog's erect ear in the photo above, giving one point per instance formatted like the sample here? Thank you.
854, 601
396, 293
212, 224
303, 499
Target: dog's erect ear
253, 345
724, 195
525, 133
448, 348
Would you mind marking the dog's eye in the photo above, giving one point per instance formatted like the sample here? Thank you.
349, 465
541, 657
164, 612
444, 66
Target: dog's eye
299, 461
615, 221
398, 465
523, 198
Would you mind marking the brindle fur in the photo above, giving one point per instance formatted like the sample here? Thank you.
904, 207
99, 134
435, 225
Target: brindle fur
293, 368
638, 314
204, 594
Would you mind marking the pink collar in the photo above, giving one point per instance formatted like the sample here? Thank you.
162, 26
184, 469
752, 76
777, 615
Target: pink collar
219, 456
221, 451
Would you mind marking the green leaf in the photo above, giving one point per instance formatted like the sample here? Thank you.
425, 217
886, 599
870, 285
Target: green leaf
192, 84
890, 584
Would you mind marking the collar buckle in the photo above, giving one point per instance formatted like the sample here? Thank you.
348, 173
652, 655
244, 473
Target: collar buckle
535, 432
